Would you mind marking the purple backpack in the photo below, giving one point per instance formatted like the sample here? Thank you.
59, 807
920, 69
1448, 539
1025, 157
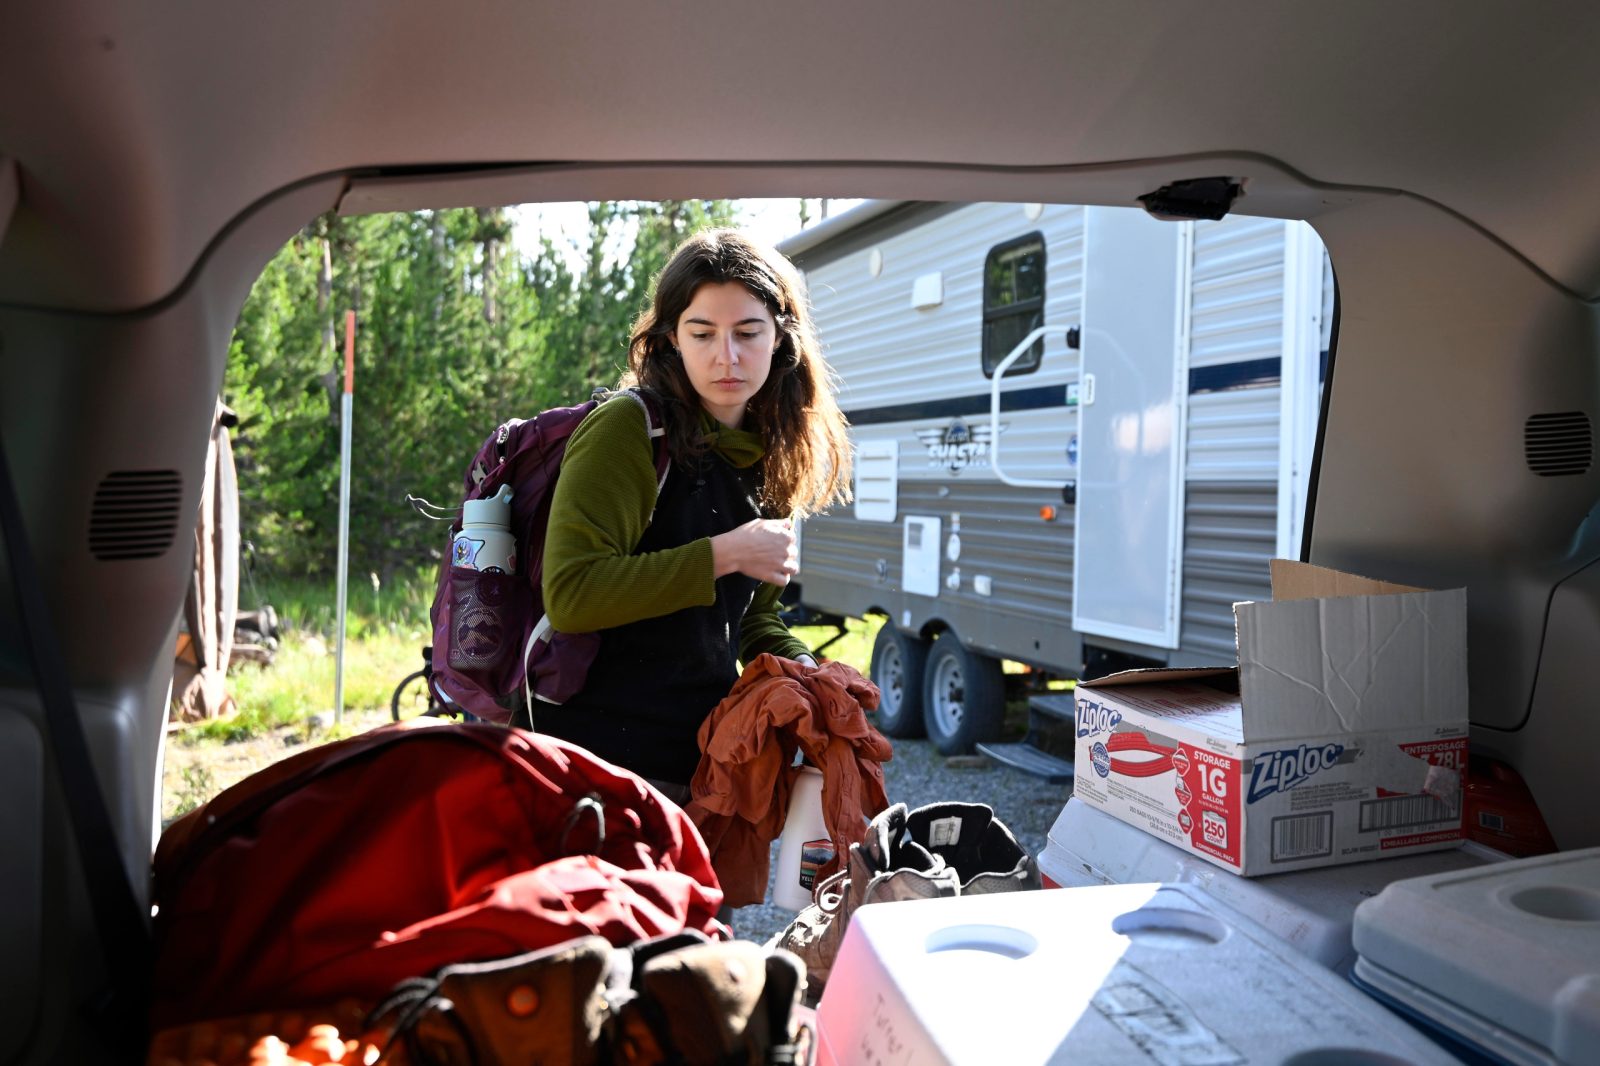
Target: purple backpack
491, 635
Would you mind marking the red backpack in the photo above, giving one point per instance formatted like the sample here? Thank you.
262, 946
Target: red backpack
491, 635
338, 872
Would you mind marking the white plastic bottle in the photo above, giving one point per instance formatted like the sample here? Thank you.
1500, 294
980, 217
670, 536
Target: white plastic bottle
805, 845
485, 542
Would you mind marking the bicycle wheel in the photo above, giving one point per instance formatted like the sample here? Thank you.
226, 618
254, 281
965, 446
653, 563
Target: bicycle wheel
412, 697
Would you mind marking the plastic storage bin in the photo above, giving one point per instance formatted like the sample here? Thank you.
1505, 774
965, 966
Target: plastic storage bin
1109, 974
1505, 958
1311, 910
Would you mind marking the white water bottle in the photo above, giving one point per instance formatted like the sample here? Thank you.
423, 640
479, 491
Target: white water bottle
485, 542
805, 846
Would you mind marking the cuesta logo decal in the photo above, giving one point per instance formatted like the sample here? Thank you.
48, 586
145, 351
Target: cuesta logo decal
1279, 771
957, 445
1094, 718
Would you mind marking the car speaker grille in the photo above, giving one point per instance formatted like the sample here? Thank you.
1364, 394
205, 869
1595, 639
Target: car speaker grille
1558, 444
135, 514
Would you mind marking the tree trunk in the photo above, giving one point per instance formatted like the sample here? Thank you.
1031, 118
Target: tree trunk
489, 226
440, 255
599, 228
325, 294
331, 379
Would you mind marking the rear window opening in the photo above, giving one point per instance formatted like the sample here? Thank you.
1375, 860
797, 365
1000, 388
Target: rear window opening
1102, 503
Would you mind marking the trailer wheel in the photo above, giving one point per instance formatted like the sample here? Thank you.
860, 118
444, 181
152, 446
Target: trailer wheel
897, 666
963, 696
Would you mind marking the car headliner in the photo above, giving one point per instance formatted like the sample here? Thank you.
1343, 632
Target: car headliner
140, 131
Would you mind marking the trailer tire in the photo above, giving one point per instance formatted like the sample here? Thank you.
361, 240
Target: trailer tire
963, 696
897, 669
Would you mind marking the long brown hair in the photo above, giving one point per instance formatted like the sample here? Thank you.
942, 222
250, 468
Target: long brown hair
807, 462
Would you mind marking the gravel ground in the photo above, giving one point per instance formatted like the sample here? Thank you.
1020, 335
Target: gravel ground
918, 774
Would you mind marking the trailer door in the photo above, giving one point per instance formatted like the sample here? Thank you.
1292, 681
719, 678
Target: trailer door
1126, 566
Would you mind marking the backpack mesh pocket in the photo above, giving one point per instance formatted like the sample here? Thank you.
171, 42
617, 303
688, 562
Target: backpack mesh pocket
486, 615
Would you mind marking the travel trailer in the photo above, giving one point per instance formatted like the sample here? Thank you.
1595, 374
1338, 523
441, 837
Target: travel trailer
1080, 435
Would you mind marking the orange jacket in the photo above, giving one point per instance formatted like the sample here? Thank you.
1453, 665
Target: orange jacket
741, 788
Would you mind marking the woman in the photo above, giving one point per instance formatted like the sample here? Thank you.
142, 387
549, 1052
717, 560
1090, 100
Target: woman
683, 586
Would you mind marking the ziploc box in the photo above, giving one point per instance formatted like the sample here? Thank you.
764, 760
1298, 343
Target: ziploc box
1340, 736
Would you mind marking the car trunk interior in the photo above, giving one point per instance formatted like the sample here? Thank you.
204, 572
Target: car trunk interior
149, 170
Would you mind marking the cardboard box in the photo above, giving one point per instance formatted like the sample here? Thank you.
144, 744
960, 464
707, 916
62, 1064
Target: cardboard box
1340, 736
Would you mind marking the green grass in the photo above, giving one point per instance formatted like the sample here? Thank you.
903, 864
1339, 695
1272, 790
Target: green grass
196, 786
401, 605
387, 632
855, 647
299, 683
387, 629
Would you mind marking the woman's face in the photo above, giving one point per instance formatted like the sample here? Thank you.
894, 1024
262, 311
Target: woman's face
726, 337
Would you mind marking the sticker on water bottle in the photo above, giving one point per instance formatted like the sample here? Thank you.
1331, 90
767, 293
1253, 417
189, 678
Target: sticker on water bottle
464, 552
814, 855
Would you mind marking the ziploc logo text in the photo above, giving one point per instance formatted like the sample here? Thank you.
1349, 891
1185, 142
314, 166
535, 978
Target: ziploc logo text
1094, 718
1279, 771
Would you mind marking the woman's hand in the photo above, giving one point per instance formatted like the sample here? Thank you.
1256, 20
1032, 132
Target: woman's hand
763, 548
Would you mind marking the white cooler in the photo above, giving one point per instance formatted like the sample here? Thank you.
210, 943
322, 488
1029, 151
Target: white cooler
1113, 974
1311, 910
1505, 959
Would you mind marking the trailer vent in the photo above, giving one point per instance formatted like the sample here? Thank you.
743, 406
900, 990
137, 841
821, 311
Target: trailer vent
1558, 444
135, 514
877, 480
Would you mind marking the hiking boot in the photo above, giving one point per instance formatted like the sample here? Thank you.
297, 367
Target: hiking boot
545, 1006
711, 1003
888, 865
977, 845
676, 1000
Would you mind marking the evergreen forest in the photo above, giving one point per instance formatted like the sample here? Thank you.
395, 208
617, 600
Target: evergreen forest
457, 330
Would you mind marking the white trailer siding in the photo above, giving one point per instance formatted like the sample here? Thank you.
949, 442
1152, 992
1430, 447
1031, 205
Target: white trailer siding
1229, 532
1235, 348
1237, 300
889, 356
855, 568
1235, 411
1233, 435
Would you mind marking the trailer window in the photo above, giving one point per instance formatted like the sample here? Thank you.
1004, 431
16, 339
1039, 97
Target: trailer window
1013, 302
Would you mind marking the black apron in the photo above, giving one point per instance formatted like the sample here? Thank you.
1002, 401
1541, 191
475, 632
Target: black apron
654, 681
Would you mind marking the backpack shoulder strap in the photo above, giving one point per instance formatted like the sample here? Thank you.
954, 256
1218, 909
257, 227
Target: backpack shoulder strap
657, 428
655, 425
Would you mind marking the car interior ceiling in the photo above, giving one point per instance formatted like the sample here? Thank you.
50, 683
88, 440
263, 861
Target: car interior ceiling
1467, 280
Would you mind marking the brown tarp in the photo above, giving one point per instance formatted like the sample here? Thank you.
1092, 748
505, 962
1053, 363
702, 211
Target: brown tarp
199, 680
